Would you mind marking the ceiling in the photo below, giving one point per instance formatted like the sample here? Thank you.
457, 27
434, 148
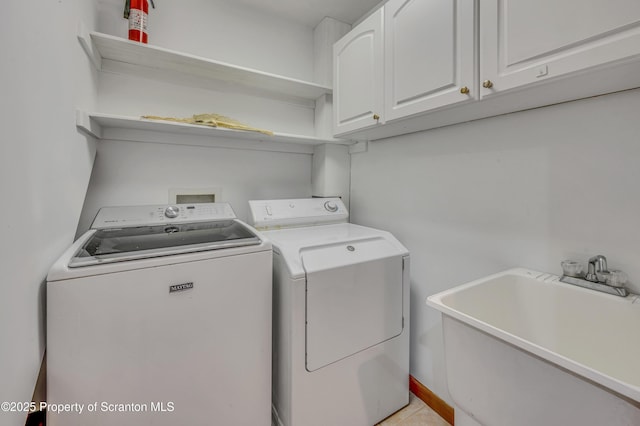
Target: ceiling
311, 12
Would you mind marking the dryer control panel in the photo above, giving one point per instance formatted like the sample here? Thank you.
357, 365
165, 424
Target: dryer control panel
275, 214
120, 217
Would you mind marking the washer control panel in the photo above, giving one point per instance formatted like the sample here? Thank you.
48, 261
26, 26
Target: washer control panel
272, 214
119, 217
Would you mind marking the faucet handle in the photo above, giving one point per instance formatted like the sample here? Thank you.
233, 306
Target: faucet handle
571, 268
617, 278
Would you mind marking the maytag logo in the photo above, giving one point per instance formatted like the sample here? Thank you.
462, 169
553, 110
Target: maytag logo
180, 287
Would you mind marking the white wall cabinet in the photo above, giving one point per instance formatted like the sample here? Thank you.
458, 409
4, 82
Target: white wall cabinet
429, 55
510, 55
525, 42
358, 82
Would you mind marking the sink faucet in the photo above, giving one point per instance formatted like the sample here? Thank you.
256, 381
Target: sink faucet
596, 264
598, 277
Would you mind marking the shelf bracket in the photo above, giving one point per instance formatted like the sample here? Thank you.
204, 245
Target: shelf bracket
87, 125
84, 37
359, 147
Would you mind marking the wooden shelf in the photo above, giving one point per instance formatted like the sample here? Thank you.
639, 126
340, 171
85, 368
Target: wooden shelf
164, 63
117, 127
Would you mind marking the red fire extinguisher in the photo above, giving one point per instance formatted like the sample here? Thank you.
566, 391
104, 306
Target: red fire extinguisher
137, 11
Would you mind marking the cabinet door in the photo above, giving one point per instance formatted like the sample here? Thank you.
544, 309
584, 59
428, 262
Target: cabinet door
357, 77
523, 42
429, 55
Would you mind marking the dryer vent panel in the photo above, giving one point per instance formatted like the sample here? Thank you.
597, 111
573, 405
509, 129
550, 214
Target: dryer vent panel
353, 299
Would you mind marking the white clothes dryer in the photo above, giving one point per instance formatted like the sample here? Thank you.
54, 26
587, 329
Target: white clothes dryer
340, 315
161, 315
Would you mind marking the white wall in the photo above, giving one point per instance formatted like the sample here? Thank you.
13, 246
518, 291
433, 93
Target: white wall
526, 189
134, 173
44, 171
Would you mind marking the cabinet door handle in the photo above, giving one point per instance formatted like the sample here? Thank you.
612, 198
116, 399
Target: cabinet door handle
464, 90
376, 117
487, 84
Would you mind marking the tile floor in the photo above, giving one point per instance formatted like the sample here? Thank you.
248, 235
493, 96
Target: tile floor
417, 413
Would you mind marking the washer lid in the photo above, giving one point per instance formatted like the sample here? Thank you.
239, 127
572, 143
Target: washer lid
122, 244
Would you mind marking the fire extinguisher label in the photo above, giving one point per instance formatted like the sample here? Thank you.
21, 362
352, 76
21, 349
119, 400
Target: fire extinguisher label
137, 20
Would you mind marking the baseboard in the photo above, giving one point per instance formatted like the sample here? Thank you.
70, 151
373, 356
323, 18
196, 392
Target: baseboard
431, 399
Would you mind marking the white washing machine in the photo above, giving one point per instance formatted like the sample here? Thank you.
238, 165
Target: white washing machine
161, 315
341, 315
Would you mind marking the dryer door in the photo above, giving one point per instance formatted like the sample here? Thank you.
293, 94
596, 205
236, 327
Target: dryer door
354, 298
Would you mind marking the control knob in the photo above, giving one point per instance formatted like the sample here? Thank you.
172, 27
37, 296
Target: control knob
331, 206
172, 212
